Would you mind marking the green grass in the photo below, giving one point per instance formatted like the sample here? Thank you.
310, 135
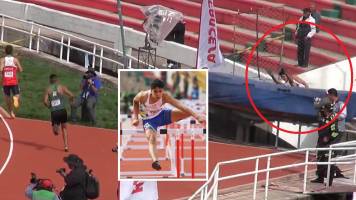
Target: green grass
34, 80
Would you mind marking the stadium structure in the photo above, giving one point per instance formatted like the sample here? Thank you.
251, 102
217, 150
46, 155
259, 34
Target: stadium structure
240, 23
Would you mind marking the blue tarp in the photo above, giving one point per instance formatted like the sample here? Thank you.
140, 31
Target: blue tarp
277, 102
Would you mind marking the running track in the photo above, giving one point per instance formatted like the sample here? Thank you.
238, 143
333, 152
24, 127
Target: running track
37, 150
221, 152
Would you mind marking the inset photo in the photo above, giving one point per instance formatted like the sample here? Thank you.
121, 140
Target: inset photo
163, 123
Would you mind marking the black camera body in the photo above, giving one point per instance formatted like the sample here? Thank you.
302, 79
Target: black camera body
61, 170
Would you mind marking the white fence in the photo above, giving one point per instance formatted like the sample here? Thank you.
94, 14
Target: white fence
37, 33
205, 192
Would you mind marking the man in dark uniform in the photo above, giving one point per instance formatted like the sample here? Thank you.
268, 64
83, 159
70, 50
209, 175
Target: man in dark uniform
327, 136
304, 33
54, 100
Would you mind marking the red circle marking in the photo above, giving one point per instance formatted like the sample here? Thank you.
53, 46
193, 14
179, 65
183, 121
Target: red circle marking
274, 28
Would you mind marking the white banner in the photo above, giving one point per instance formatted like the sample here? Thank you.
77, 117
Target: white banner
209, 54
138, 190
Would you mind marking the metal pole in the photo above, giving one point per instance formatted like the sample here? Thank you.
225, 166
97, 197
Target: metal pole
255, 180
277, 135
300, 129
257, 63
122, 32
306, 171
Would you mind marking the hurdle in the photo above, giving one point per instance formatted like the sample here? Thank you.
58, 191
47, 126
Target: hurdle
174, 146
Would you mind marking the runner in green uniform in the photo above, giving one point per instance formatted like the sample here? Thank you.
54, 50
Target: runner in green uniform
54, 100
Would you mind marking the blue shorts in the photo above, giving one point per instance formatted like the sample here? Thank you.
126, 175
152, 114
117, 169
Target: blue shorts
163, 118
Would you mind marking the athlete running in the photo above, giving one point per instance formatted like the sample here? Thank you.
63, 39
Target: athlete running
154, 114
54, 100
9, 66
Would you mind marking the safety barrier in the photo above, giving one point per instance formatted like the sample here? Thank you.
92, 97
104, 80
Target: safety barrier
205, 192
37, 32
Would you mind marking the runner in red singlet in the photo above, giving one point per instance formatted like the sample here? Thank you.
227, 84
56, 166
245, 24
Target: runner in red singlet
9, 66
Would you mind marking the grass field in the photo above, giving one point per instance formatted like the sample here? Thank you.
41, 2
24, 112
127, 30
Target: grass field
34, 80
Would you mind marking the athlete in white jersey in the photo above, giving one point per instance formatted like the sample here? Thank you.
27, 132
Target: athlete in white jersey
155, 115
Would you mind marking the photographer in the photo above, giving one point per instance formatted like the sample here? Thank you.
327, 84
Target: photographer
75, 180
89, 86
329, 135
40, 189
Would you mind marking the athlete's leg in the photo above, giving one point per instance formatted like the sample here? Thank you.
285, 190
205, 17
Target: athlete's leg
152, 143
65, 136
55, 128
16, 96
177, 115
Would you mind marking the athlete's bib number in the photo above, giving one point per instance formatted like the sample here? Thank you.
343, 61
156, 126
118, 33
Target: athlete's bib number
56, 102
9, 74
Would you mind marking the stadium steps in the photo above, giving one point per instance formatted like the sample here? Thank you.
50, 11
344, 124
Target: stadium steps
226, 33
106, 13
341, 27
225, 16
347, 11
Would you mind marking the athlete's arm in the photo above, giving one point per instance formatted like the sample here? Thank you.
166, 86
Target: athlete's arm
2, 64
174, 102
301, 81
67, 92
136, 108
17, 63
45, 98
270, 73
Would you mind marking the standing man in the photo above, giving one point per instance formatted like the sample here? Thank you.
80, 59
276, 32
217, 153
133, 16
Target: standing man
54, 100
176, 35
304, 33
156, 115
88, 98
341, 120
329, 135
9, 66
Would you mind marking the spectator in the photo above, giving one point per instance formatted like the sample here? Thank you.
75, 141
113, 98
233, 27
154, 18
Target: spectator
9, 66
185, 84
316, 15
40, 189
75, 180
176, 85
88, 98
304, 33
195, 91
176, 35
288, 80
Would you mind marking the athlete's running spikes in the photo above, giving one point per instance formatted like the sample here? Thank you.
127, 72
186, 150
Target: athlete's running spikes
156, 165
66, 149
16, 101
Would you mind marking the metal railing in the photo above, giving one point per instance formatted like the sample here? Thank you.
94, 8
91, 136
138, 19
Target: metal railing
211, 186
36, 32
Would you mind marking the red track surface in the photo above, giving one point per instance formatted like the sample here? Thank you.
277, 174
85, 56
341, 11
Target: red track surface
37, 150
221, 152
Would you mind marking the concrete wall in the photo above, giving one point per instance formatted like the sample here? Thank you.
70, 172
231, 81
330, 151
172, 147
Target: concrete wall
335, 75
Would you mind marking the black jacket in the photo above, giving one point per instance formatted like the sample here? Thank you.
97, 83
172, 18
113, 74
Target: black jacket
75, 185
